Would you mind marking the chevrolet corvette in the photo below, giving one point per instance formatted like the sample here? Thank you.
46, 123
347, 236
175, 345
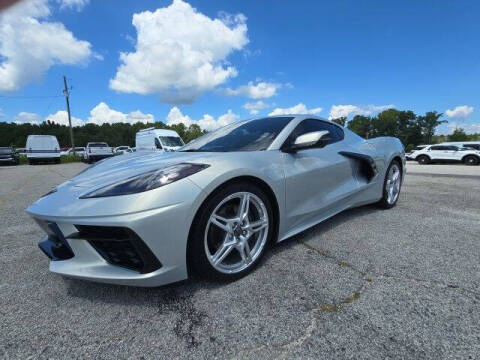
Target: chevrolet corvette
215, 206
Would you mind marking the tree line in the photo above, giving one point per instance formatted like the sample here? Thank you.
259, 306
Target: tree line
410, 128
117, 134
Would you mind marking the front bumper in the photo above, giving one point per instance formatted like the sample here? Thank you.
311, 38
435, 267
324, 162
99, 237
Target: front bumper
100, 157
9, 159
163, 229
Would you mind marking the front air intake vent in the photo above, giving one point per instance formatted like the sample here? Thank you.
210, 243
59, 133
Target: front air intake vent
120, 246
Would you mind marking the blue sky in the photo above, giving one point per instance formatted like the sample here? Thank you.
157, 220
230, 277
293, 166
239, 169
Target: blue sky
218, 61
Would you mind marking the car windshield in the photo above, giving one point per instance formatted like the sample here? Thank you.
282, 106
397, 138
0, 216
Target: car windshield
248, 135
98, 145
171, 141
6, 150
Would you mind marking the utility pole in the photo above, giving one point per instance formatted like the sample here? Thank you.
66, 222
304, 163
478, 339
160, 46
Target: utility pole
67, 98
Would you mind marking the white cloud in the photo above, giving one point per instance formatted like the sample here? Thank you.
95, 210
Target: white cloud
61, 118
24, 117
469, 128
337, 111
180, 53
207, 122
461, 111
255, 107
260, 90
73, 4
102, 113
300, 108
30, 45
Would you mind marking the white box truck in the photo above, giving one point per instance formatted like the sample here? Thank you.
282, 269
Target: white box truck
42, 148
158, 139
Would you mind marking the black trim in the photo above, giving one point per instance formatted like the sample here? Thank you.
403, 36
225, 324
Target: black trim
55, 246
43, 151
119, 246
368, 167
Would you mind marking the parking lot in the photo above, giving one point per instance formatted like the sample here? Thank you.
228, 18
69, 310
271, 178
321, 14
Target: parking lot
368, 283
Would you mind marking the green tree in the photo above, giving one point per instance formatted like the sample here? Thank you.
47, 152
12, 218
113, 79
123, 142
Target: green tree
458, 135
340, 121
361, 125
428, 123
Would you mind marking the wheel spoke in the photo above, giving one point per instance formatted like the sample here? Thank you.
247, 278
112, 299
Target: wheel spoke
245, 252
390, 196
222, 253
395, 176
258, 225
244, 206
221, 222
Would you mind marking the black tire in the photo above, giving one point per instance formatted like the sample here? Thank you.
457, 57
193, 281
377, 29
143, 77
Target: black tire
198, 262
471, 160
31, 162
383, 203
423, 160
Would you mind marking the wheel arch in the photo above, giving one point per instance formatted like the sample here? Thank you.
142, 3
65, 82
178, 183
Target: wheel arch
400, 162
239, 179
474, 155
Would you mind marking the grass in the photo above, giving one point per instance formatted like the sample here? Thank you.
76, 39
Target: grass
64, 159
70, 158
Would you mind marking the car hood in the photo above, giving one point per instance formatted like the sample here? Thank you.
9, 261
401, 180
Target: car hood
118, 168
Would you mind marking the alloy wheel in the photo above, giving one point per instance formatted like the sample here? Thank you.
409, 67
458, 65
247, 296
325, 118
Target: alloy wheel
236, 232
392, 185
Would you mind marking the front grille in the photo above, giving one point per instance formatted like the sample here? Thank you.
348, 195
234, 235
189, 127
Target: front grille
120, 246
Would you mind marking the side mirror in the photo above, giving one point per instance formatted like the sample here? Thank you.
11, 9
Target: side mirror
315, 139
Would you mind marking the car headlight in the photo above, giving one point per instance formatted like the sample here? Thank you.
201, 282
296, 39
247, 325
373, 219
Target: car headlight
147, 181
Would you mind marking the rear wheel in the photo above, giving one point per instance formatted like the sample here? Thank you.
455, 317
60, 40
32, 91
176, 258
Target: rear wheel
391, 186
423, 160
231, 232
470, 160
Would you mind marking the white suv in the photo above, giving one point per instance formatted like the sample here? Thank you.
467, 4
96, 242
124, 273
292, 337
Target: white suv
446, 153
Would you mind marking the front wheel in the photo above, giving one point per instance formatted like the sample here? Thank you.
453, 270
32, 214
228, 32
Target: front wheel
470, 160
231, 232
391, 186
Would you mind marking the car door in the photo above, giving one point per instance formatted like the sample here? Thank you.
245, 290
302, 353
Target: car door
318, 180
453, 153
437, 152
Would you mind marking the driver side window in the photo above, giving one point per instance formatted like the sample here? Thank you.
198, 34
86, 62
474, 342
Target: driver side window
157, 144
311, 125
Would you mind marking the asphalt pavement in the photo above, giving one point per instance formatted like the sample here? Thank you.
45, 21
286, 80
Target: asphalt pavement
400, 284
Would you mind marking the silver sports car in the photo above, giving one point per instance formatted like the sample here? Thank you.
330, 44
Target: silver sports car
215, 206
